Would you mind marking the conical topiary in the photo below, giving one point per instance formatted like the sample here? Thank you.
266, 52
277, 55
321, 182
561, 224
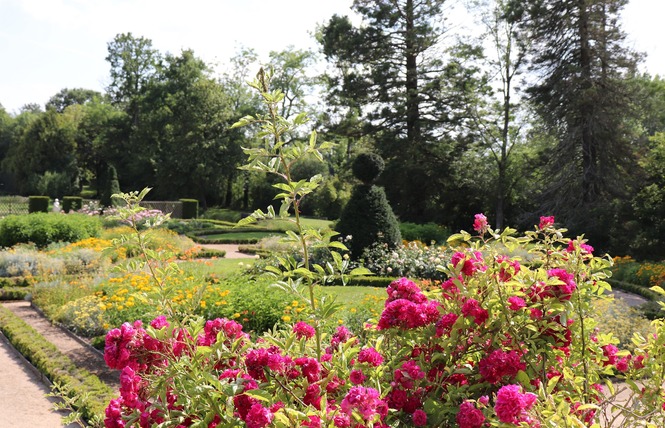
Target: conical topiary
367, 217
111, 187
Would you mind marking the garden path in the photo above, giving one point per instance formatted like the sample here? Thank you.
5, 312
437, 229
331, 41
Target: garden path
231, 251
23, 393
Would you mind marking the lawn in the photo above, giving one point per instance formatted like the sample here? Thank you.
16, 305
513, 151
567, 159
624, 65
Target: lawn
238, 236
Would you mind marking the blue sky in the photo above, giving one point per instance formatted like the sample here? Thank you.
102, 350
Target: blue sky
48, 45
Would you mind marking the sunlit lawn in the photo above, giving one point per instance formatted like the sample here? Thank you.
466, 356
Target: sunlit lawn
239, 235
217, 267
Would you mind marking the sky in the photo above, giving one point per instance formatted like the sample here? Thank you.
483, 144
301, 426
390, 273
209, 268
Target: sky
48, 45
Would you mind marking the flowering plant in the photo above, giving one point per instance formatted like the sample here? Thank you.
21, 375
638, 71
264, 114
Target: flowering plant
502, 342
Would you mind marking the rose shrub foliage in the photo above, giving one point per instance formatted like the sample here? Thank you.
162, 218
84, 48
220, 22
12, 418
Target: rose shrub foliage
502, 342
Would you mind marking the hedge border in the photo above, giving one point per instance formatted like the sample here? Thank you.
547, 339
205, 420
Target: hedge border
56, 366
635, 289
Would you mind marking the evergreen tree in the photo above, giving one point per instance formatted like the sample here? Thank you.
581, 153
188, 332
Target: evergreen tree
412, 92
584, 99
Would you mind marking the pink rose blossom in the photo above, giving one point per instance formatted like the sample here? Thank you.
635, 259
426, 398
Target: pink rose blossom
480, 224
357, 377
512, 405
546, 222
302, 329
469, 417
516, 303
419, 418
471, 308
370, 356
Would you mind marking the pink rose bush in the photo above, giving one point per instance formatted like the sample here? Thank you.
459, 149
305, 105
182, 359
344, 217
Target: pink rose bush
506, 340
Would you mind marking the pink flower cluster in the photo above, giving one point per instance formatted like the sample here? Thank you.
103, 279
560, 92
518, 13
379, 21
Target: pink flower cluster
366, 402
500, 364
480, 224
302, 329
469, 416
472, 262
512, 406
407, 307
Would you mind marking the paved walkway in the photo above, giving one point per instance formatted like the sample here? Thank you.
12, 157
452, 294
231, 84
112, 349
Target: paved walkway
23, 400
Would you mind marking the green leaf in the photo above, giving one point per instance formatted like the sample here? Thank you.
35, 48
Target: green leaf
551, 384
260, 395
360, 271
338, 245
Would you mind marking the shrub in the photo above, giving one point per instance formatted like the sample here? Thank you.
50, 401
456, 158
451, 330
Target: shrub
110, 188
43, 229
499, 343
413, 260
427, 233
72, 203
190, 208
222, 214
26, 261
38, 204
369, 220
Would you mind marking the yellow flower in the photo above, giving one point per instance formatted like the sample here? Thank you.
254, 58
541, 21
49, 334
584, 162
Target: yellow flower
203, 303
286, 318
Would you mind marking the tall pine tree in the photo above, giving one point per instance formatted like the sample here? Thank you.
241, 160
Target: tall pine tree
411, 91
583, 97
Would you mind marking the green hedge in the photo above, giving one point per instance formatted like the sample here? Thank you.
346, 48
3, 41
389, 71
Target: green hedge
37, 204
56, 366
190, 208
205, 253
43, 229
14, 293
15, 281
635, 289
72, 203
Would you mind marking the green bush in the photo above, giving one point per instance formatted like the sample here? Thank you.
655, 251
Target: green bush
43, 229
369, 220
425, 233
14, 293
72, 203
223, 214
37, 204
257, 305
190, 208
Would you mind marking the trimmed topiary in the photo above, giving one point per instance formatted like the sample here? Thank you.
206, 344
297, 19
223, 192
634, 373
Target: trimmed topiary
38, 204
112, 187
190, 208
367, 167
72, 203
367, 217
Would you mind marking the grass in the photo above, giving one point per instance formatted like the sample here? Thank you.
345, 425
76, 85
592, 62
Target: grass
282, 224
240, 236
216, 266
